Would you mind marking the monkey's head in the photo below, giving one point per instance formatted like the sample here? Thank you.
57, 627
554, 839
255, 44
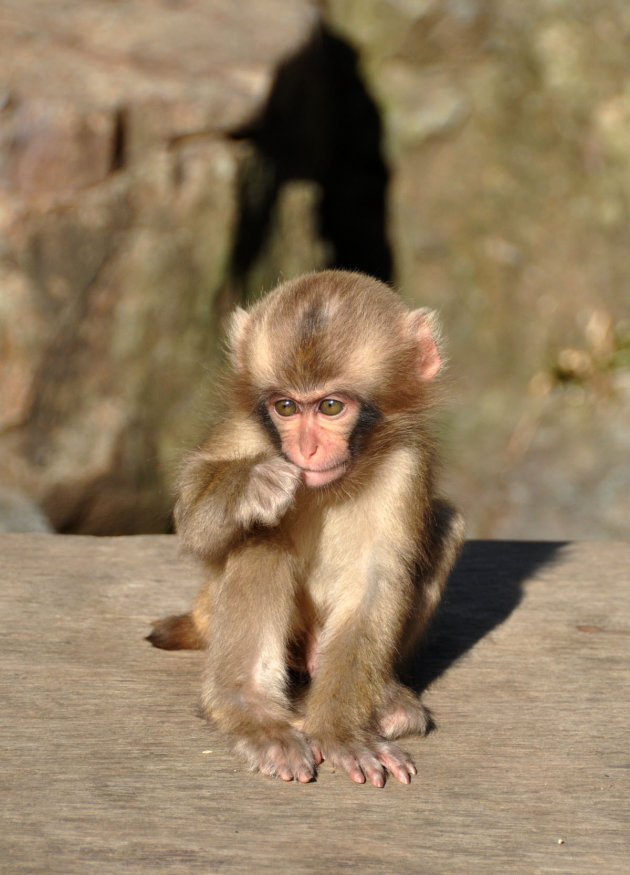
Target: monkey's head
328, 359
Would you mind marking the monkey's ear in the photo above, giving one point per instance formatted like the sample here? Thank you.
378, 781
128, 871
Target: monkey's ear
235, 336
424, 329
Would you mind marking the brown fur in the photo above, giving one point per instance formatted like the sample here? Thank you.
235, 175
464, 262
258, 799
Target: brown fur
177, 632
338, 581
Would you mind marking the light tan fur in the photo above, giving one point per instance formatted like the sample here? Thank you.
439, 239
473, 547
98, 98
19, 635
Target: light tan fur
336, 581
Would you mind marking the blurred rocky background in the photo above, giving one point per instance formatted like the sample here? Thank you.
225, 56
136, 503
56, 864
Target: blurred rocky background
161, 161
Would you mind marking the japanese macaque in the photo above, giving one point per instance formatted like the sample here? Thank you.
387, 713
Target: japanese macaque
312, 506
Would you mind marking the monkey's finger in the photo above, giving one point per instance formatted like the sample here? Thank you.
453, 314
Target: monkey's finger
301, 766
275, 762
356, 774
350, 764
305, 776
401, 773
293, 761
364, 766
399, 764
276, 770
376, 776
372, 769
318, 756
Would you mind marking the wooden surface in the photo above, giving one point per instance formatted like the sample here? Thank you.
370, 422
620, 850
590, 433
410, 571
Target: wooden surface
106, 766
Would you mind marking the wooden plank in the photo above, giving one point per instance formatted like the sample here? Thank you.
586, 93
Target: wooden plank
108, 768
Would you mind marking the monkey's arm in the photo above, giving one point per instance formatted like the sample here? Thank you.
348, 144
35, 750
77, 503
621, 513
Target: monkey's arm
356, 705
353, 683
232, 484
227, 489
245, 688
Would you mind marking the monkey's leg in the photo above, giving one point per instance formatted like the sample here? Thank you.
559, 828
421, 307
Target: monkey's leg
245, 683
446, 538
403, 713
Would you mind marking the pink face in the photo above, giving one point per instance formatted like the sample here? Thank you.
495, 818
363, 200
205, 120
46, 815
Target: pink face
314, 432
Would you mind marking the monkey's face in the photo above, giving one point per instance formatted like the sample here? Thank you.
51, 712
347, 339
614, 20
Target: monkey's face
351, 358
314, 432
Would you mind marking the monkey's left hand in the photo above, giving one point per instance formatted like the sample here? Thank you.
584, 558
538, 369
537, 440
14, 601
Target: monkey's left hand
369, 757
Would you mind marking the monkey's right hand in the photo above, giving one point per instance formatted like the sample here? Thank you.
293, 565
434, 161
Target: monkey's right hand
269, 492
368, 758
219, 500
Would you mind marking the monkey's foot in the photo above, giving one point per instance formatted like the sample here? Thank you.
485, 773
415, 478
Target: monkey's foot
369, 761
404, 714
286, 754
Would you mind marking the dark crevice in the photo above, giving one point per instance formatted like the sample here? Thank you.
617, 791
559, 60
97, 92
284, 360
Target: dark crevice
320, 124
119, 142
355, 183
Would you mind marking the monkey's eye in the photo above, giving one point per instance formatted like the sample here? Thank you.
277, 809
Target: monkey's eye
285, 407
331, 406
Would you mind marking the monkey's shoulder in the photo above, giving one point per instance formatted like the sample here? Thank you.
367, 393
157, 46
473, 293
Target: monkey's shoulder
398, 472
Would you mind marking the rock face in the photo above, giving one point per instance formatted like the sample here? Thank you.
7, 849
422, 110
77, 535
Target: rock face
160, 162
120, 194
507, 127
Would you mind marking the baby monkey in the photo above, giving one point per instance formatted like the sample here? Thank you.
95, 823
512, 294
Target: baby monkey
312, 506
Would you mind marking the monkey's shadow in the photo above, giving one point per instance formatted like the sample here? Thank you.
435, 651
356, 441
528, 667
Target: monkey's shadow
485, 586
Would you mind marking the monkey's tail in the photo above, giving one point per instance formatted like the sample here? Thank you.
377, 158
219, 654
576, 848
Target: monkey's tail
177, 632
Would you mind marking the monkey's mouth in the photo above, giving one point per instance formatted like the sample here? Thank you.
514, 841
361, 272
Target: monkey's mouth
323, 478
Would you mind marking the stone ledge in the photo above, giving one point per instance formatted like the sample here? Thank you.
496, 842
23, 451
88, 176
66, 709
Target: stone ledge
107, 766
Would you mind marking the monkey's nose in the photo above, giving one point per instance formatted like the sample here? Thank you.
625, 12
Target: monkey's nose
308, 443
